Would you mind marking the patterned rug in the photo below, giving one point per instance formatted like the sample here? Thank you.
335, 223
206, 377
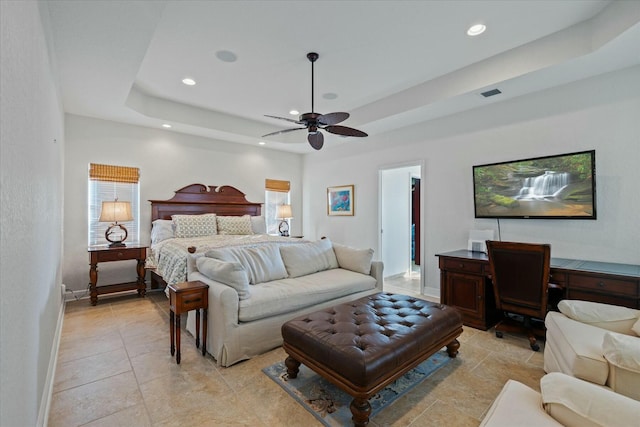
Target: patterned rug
330, 405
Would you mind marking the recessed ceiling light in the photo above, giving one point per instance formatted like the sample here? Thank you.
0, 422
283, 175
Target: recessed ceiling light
261, 143
226, 56
330, 95
188, 81
294, 112
166, 125
476, 30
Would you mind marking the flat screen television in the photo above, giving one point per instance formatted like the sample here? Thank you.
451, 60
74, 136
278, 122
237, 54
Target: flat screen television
558, 187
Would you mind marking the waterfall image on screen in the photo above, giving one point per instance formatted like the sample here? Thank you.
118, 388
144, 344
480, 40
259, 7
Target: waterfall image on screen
561, 186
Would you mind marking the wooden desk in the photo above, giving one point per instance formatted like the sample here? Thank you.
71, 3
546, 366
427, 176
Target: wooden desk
465, 284
99, 254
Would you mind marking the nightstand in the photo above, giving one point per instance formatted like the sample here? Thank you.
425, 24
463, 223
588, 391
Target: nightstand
184, 297
105, 254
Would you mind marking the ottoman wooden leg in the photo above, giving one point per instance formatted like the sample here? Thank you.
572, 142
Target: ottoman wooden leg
293, 367
360, 409
452, 348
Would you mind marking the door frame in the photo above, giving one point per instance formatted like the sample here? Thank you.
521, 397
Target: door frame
401, 165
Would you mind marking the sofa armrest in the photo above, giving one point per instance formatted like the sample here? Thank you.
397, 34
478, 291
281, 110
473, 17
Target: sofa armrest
606, 316
377, 268
574, 402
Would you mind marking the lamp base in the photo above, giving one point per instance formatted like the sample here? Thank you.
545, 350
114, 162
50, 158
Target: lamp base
283, 228
114, 237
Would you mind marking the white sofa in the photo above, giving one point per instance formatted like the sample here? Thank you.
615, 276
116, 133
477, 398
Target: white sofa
563, 401
595, 342
253, 291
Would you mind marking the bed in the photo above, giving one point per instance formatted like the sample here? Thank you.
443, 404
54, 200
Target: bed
172, 240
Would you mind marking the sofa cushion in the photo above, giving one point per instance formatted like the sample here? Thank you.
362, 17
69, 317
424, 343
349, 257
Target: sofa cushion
606, 316
575, 347
358, 260
636, 327
573, 402
262, 263
517, 405
622, 350
237, 225
287, 295
230, 273
195, 225
308, 258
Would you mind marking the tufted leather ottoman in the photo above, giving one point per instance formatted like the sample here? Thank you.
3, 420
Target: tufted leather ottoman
364, 345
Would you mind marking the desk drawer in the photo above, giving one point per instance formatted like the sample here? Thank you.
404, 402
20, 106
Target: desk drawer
604, 285
463, 266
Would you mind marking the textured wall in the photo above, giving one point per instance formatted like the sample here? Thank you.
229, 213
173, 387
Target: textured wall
30, 213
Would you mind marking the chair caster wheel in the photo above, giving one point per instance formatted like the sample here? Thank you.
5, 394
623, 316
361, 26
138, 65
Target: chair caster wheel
499, 334
535, 347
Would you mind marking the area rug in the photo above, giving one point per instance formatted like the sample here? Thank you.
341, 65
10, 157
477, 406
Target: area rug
330, 405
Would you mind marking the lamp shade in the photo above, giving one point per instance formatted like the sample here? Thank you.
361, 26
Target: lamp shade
115, 212
284, 212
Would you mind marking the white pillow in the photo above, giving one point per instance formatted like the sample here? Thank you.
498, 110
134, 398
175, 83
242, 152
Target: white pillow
237, 225
611, 317
229, 273
258, 225
573, 402
358, 260
262, 263
195, 225
161, 229
622, 350
308, 258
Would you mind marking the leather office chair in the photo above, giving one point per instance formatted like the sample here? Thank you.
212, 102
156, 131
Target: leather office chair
520, 276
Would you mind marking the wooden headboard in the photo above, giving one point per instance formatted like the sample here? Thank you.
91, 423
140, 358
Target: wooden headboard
198, 199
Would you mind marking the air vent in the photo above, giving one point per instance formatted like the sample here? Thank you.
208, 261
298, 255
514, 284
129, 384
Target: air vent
491, 93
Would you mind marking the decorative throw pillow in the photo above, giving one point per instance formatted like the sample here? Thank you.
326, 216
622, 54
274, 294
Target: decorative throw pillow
232, 274
195, 225
308, 258
161, 229
262, 263
258, 225
606, 316
358, 260
234, 225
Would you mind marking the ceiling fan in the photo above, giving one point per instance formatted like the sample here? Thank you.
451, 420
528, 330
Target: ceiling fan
315, 121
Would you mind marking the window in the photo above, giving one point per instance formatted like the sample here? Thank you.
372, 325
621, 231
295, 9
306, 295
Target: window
107, 183
276, 194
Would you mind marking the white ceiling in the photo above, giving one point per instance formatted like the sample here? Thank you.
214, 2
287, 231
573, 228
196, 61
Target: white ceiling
391, 63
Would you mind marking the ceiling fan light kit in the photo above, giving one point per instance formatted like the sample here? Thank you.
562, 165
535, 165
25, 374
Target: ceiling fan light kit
314, 122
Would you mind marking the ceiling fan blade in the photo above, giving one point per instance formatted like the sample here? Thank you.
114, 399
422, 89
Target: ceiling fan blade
285, 118
345, 131
332, 118
316, 140
281, 131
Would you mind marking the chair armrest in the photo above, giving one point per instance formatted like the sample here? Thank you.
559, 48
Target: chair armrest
574, 402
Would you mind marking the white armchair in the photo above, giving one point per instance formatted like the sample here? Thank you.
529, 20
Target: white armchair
599, 343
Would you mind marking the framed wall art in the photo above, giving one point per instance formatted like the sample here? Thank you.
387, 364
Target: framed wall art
340, 201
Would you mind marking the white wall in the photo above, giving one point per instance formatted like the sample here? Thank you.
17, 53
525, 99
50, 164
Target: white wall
600, 113
31, 165
168, 161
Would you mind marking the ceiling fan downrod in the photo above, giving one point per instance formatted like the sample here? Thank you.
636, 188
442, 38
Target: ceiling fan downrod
312, 56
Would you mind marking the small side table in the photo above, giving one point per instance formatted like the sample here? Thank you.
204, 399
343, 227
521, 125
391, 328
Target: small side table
99, 254
184, 297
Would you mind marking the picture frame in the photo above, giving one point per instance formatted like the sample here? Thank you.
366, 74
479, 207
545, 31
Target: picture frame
340, 200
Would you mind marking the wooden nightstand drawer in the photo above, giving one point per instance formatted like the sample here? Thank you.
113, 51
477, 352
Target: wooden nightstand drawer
190, 300
119, 254
603, 285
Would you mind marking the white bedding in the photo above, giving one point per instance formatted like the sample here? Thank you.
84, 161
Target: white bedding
169, 257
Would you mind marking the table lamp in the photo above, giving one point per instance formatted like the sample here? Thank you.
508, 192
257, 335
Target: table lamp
114, 212
283, 214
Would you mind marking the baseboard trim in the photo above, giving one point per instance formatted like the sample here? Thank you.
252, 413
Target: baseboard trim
47, 393
431, 292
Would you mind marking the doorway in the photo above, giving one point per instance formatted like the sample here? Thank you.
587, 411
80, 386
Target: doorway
400, 219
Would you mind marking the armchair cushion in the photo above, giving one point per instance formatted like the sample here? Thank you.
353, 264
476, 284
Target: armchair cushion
611, 317
622, 351
573, 402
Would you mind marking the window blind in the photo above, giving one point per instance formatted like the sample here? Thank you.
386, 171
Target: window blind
277, 185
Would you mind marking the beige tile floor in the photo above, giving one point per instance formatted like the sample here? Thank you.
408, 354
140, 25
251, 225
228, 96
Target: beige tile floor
114, 369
